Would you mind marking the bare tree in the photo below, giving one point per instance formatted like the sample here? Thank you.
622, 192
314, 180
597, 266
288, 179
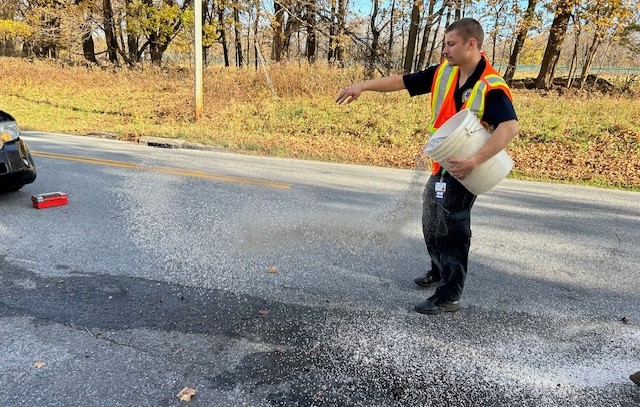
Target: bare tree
374, 51
434, 40
391, 29
523, 29
577, 32
608, 19
413, 35
333, 28
497, 8
337, 23
256, 24
222, 31
311, 22
287, 20
427, 30
458, 4
236, 30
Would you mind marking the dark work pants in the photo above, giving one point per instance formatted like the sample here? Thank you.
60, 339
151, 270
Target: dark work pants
446, 225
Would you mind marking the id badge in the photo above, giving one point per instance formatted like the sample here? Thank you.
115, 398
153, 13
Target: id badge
441, 187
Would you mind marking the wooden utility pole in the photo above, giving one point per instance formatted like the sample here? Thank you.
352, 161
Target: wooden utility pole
197, 10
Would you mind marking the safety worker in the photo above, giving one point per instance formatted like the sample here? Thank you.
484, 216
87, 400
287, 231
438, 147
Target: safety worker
463, 80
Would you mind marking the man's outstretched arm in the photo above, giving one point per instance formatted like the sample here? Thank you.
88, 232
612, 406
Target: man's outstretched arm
385, 84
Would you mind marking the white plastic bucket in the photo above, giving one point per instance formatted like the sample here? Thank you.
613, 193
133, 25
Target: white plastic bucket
462, 136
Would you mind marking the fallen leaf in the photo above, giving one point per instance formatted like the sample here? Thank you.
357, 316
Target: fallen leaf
272, 270
263, 312
39, 364
625, 320
186, 394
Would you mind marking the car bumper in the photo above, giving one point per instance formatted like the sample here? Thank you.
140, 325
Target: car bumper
16, 164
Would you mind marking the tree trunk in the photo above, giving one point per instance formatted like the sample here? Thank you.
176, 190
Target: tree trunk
133, 42
391, 37
557, 35
248, 49
155, 50
520, 38
312, 45
88, 47
588, 62
223, 34
342, 9
413, 35
109, 32
434, 41
333, 29
446, 24
236, 30
375, 42
278, 34
494, 43
255, 34
496, 29
425, 35
576, 44
7, 48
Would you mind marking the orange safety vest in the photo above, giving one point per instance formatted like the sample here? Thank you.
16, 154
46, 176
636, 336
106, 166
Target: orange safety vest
443, 105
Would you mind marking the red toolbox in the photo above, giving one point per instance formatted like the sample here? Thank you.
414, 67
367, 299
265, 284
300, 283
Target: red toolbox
49, 199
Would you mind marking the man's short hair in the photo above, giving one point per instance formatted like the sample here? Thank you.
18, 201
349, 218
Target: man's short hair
467, 28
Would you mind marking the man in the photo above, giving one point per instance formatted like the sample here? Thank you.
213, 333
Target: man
464, 79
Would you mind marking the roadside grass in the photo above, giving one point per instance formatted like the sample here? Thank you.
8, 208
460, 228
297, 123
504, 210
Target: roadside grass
582, 137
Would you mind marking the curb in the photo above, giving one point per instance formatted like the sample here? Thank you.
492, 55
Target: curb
160, 142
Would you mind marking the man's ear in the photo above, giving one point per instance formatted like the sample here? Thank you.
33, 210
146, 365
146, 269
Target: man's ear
473, 43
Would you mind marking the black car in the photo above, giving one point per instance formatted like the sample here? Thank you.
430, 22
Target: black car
16, 165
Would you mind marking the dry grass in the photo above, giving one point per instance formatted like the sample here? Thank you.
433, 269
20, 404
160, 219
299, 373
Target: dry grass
578, 137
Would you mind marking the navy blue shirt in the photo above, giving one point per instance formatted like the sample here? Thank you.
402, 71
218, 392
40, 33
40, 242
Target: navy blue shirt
497, 107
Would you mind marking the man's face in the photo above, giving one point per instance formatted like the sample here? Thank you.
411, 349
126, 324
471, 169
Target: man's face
456, 49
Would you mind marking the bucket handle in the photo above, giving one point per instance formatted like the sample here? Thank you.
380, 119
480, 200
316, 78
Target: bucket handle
478, 129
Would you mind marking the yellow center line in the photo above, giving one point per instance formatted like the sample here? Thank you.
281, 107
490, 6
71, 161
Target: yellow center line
165, 170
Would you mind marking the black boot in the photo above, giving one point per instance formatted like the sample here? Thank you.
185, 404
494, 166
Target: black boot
426, 281
434, 305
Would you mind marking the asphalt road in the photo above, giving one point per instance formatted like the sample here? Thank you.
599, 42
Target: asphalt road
275, 282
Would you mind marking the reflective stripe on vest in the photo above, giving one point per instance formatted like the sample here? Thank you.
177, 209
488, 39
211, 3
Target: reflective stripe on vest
443, 83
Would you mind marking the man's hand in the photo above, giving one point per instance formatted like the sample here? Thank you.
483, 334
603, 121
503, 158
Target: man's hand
501, 136
461, 167
384, 84
350, 94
